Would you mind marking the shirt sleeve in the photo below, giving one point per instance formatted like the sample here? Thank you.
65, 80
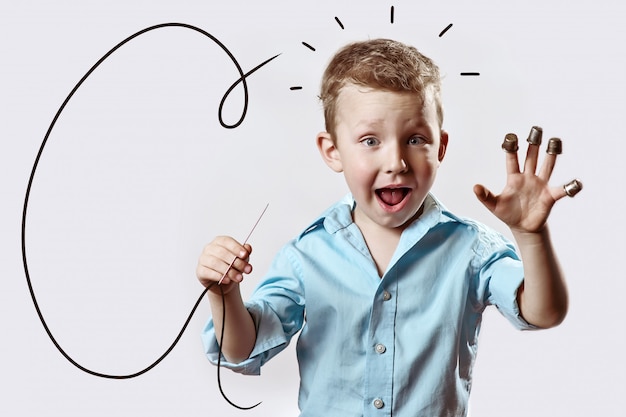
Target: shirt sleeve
277, 309
506, 277
500, 276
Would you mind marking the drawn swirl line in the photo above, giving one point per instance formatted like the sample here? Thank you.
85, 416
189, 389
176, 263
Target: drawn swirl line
242, 79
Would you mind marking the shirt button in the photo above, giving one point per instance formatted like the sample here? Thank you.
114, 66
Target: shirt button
380, 348
378, 403
386, 296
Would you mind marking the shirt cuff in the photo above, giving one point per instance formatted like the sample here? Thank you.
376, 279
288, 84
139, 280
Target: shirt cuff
270, 340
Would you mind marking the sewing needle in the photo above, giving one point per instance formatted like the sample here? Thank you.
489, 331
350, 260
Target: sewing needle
244, 242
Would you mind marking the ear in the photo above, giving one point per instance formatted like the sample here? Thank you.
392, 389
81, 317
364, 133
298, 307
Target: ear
328, 149
443, 144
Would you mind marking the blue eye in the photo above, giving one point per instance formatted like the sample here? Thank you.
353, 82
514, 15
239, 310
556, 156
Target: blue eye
370, 141
417, 140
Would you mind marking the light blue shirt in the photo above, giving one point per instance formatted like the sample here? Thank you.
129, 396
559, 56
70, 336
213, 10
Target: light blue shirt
401, 345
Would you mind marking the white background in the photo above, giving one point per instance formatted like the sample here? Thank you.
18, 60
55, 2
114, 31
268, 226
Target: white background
138, 175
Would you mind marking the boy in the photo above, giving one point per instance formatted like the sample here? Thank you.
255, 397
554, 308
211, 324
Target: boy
388, 286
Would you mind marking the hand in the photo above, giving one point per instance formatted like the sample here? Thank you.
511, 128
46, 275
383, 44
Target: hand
527, 198
215, 263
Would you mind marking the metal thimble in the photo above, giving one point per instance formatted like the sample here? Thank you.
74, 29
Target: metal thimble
534, 137
510, 143
555, 146
573, 187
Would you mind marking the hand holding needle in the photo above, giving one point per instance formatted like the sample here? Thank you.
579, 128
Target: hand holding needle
244, 242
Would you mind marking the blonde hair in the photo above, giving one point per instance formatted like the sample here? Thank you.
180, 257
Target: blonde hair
381, 64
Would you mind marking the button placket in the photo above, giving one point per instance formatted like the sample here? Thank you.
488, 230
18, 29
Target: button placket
379, 363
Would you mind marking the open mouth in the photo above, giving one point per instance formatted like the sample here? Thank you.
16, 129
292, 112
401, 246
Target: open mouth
392, 196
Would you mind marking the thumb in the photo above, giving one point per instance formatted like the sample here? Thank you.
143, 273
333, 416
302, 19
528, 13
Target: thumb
485, 196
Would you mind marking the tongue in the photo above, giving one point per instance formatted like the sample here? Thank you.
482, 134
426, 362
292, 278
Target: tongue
392, 196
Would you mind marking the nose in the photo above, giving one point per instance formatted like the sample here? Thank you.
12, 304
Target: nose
395, 162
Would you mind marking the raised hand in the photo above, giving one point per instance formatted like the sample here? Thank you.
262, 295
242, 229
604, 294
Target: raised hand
527, 198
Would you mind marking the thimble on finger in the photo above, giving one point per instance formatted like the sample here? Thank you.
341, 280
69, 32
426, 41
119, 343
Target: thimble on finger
555, 146
534, 137
573, 187
510, 143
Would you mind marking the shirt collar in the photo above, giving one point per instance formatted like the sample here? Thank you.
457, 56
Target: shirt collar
339, 216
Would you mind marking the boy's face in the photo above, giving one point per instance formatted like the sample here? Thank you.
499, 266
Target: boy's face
388, 146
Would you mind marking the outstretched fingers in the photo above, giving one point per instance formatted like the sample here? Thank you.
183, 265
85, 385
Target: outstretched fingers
510, 146
526, 200
553, 150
